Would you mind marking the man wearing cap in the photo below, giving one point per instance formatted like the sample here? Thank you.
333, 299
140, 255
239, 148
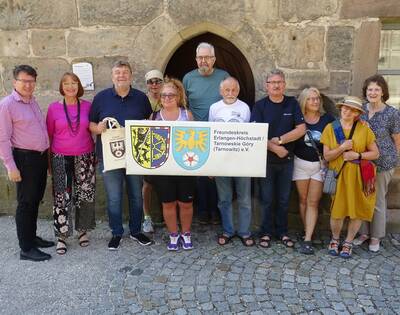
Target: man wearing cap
23, 149
154, 80
121, 102
202, 89
286, 124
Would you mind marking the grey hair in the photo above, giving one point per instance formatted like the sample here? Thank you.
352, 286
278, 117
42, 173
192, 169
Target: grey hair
205, 45
229, 79
122, 63
275, 72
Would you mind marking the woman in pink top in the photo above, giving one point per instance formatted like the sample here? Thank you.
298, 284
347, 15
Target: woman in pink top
72, 163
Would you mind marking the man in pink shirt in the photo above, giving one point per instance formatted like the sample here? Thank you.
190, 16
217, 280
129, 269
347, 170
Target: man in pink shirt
23, 150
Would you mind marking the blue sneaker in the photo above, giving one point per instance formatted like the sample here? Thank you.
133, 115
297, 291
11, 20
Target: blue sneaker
186, 241
173, 244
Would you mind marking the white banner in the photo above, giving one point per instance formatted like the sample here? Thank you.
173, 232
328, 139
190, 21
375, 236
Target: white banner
195, 148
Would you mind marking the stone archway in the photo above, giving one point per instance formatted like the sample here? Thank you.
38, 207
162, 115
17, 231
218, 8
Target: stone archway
229, 58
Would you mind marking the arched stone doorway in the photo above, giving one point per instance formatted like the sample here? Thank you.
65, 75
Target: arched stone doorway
228, 57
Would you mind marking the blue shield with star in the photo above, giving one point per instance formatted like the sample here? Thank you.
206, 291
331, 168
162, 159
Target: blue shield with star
191, 146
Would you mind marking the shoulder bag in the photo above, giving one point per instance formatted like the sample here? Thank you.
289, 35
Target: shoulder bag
331, 175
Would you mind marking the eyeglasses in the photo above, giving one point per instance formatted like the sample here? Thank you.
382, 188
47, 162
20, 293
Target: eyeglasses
26, 81
154, 81
205, 58
313, 99
167, 95
275, 82
67, 84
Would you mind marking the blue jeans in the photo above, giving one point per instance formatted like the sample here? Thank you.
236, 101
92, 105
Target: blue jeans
243, 191
113, 183
275, 191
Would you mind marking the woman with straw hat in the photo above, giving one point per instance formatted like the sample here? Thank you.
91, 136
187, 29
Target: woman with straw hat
347, 145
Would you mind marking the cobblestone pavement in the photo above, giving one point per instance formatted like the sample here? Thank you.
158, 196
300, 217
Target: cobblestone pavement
210, 279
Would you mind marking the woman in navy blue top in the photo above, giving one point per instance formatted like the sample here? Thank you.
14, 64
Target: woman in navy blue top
308, 164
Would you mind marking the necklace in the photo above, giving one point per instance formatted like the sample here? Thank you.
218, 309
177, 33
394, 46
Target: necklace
75, 120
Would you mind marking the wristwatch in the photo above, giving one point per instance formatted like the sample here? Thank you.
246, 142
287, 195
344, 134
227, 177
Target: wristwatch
280, 140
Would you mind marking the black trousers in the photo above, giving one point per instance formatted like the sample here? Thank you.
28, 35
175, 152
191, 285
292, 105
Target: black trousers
30, 190
207, 197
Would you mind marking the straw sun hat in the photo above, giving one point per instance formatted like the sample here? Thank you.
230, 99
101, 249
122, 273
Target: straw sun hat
353, 102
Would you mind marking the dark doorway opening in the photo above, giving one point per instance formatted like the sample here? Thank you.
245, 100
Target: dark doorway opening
229, 58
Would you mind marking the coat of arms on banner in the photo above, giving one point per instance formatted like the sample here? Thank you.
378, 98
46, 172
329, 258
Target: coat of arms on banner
117, 148
191, 146
150, 145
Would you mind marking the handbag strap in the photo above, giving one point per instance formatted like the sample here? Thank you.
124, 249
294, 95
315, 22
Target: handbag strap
314, 144
350, 136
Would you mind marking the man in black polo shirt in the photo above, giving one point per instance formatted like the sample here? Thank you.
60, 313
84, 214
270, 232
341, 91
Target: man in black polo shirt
121, 102
286, 124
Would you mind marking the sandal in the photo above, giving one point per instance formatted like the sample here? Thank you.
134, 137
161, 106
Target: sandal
287, 241
83, 240
333, 248
265, 241
306, 248
223, 239
247, 240
347, 248
61, 248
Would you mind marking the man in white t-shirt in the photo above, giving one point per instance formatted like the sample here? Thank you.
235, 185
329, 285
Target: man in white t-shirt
231, 109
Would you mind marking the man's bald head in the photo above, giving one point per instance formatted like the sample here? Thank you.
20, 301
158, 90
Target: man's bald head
229, 89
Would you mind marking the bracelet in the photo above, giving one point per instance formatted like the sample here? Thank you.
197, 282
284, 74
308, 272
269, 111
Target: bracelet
359, 156
280, 140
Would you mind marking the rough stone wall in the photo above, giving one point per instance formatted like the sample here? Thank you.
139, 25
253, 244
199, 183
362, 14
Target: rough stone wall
325, 43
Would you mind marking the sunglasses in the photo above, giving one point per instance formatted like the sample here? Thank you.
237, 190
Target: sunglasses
154, 81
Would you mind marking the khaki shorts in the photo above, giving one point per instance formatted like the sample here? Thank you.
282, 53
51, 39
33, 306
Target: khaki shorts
304, 170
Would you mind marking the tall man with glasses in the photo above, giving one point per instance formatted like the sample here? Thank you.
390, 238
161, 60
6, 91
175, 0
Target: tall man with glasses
121, 102
154, 80
286, 124
23, 149
202, 89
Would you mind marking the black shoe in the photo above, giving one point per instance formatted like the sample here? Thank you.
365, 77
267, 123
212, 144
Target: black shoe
113, 244
306, 248
141, 239
41, 243
34, 254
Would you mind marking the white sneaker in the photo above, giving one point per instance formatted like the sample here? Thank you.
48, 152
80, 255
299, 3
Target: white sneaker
360, 240
173, 244
148, 225
187, 241
374, 247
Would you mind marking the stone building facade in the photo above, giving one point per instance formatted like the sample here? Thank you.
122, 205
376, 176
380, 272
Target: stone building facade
331, 44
